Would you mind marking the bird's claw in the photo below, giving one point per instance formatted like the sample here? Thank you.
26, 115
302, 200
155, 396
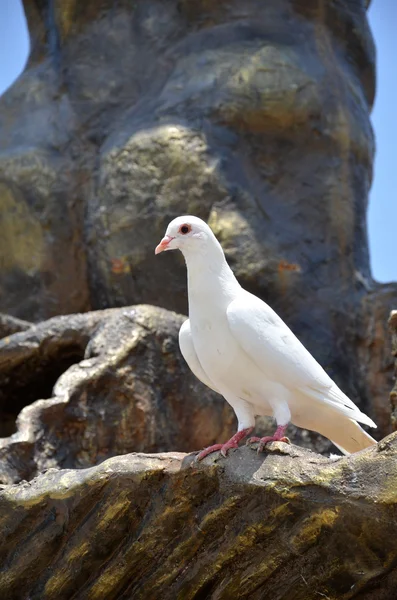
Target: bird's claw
265, 440
208, 451
232, 443
252, 440
226, 447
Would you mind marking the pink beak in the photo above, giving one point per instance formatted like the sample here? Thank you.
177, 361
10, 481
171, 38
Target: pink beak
163, 245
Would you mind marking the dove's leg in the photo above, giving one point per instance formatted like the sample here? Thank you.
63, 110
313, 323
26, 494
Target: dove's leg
232, 443
282, 415
246, 422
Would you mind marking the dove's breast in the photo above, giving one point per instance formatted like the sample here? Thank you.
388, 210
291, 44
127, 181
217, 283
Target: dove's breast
225, 362
214, 343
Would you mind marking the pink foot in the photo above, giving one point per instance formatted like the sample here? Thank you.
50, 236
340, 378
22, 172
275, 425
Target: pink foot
277, 437
232, 443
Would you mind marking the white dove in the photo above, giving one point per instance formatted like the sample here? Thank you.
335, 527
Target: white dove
239, 347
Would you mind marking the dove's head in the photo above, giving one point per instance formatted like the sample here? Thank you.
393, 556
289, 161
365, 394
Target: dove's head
188, 234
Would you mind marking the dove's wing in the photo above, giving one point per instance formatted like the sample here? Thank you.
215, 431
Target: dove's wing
278, 353
190, 356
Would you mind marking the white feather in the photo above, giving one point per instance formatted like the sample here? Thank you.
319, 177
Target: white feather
278, 353
190, 356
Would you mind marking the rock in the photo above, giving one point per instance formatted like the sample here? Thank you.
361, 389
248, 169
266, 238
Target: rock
393, 395
256, 119
287, 524
10, 325
43, 267
374, 354
32, 360
119, 383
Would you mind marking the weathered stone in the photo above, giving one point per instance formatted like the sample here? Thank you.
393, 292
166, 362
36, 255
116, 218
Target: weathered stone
393, 395
374, 353
287, 524
10, 325
43, 268
31, 361
127, 389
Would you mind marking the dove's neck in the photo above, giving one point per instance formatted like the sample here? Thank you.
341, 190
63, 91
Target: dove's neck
211, 282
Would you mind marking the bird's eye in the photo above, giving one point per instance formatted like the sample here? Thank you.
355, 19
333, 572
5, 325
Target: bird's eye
184, 229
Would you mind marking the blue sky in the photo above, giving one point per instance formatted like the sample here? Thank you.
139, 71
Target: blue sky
382, 216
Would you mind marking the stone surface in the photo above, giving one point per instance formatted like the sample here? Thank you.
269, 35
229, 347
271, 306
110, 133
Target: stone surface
104, 383
375, 367
286, 525
393, 394
32, 360
253, 116
10, 325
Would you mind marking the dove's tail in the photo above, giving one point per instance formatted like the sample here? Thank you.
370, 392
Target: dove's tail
343, 431
350, 437
346, 434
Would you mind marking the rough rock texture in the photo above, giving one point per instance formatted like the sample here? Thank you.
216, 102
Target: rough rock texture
31, 361
127, 389
287, 525
374, 353
252, 115
108, 382
393, 395
10, 325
